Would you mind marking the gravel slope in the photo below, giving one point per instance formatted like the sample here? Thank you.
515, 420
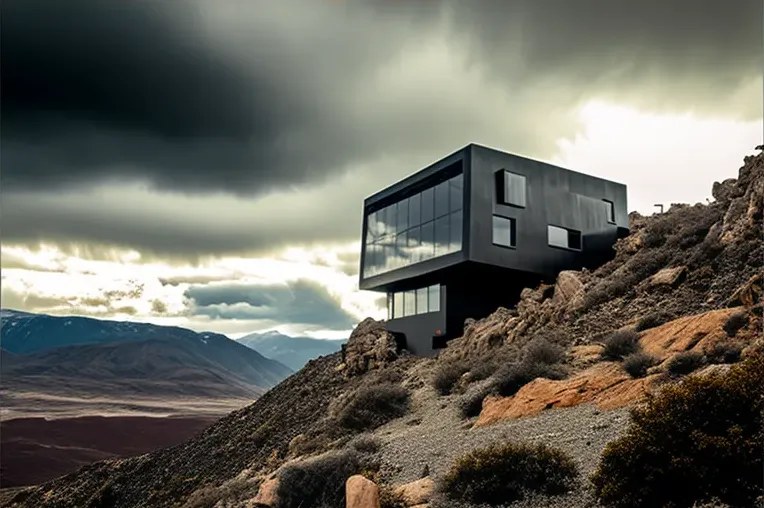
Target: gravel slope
434, 434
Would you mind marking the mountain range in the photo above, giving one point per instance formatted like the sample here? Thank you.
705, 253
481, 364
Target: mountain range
78, 355
294, 352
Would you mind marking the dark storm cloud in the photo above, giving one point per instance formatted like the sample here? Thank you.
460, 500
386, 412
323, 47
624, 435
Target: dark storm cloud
251, 97
300, 302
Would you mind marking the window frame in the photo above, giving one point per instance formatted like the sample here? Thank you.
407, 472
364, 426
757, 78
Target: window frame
610, 211
568, 232
512, 232
502, 185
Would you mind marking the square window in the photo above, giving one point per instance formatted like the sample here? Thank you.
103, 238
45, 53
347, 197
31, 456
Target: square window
563, 238
511, 189
504, 233
610, 211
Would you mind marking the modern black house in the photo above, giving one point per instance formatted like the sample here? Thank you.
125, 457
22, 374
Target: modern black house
465, 235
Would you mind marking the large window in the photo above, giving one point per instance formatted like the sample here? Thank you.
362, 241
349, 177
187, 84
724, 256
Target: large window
417, 228
511, 189
412, 302
564, 238
504, 231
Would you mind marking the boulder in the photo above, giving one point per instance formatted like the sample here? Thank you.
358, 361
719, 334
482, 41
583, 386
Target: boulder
266, 495
417, 492
569, 290
361, 492
369, 347
749, 294
669, 277
725, 190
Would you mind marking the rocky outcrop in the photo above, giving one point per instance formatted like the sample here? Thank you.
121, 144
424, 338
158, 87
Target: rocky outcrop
267, 495
671, 277
416, 493
361, 492
605, 384
369, 347
569, 290
749, 294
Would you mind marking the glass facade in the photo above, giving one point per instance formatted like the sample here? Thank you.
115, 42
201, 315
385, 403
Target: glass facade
417, 228
503, 231
413, 302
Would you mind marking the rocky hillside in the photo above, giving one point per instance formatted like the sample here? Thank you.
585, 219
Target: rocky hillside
681, 298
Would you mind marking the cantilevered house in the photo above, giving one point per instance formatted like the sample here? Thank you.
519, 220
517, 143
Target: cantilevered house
465, 235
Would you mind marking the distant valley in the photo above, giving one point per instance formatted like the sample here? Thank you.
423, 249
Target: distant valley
62, 375
294, 352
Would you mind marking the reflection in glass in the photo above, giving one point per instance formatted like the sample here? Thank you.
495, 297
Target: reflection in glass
389, 306
441, 236
558, 237
434, 298
455, 227
405, 232
409, 303
398, 305
441, 199
421, 301
402, 213
428, 208
502, 231
456, 193
514, 189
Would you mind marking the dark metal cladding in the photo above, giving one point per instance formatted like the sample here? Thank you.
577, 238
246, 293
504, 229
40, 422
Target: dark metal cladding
465, 235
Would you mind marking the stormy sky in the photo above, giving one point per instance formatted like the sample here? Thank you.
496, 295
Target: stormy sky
203, 134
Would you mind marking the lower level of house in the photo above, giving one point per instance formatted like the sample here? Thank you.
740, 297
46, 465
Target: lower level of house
427, 312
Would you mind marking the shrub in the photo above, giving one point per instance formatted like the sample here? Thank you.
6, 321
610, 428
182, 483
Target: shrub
724, 352
619, 344
636, 364
471, 403
540, 350
504, 472
684, 363
734, 323
484, 369
374, 405
693, 441
230, 493
365, 444
653, 320
319, 481
446, 376
509, 379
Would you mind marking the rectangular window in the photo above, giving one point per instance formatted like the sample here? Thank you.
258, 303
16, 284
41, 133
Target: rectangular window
433, 300
456, 191
511, 189
398, 305
564, 238
389, 306
441, 199
421, 301
427, 247
390, 220
610, 211
415, 210
442, 239
428, 206
455, 225
402, 214
409, 303
504, 231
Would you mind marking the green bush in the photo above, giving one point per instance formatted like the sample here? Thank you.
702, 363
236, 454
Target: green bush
503, 473
694, 441
446, 376
685, 363
365, 444
320, 481
734, 323
653, 320
636, 364
509, 379
620, 343
374, 405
